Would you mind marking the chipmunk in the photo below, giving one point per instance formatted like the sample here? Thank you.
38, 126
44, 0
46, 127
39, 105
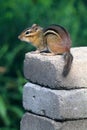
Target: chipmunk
55, 39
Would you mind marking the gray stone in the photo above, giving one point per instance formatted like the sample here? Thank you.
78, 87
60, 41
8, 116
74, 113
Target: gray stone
33, 122
55, 104
75, 125
47, 70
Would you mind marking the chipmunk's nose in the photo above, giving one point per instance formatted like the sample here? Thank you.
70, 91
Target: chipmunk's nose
19, 37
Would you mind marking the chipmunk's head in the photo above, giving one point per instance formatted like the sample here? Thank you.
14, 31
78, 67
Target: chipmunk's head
31, 34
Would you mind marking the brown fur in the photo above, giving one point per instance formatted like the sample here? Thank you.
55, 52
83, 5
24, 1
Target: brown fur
55, 38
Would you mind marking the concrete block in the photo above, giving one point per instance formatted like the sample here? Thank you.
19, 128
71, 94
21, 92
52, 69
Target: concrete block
55, 104
34, 122
47, 70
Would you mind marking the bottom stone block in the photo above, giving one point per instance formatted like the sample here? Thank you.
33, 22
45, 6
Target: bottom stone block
34, 122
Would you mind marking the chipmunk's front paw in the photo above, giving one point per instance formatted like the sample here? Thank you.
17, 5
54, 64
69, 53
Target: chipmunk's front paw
48, 54
35, 52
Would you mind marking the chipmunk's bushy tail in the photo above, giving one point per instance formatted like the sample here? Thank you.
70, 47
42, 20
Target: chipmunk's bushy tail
68, 58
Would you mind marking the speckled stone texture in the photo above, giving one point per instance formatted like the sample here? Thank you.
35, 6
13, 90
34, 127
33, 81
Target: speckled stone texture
55, 104
33, 122
47, 70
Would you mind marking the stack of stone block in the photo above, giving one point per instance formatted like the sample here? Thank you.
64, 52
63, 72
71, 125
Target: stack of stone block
51, 101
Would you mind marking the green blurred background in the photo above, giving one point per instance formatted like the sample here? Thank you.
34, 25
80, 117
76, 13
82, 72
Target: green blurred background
15, 16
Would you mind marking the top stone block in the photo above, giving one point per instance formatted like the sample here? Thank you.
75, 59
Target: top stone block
47, 70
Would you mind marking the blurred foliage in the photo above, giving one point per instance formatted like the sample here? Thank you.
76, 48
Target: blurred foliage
16, 15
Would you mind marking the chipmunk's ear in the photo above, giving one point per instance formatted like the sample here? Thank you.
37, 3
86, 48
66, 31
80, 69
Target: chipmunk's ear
35, 25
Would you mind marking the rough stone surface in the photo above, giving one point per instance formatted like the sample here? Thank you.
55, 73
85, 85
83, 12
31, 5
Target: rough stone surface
55, 104
47, 70
33, 122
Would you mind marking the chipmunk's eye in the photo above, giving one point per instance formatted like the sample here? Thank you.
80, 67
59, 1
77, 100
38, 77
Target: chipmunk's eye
27, 32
